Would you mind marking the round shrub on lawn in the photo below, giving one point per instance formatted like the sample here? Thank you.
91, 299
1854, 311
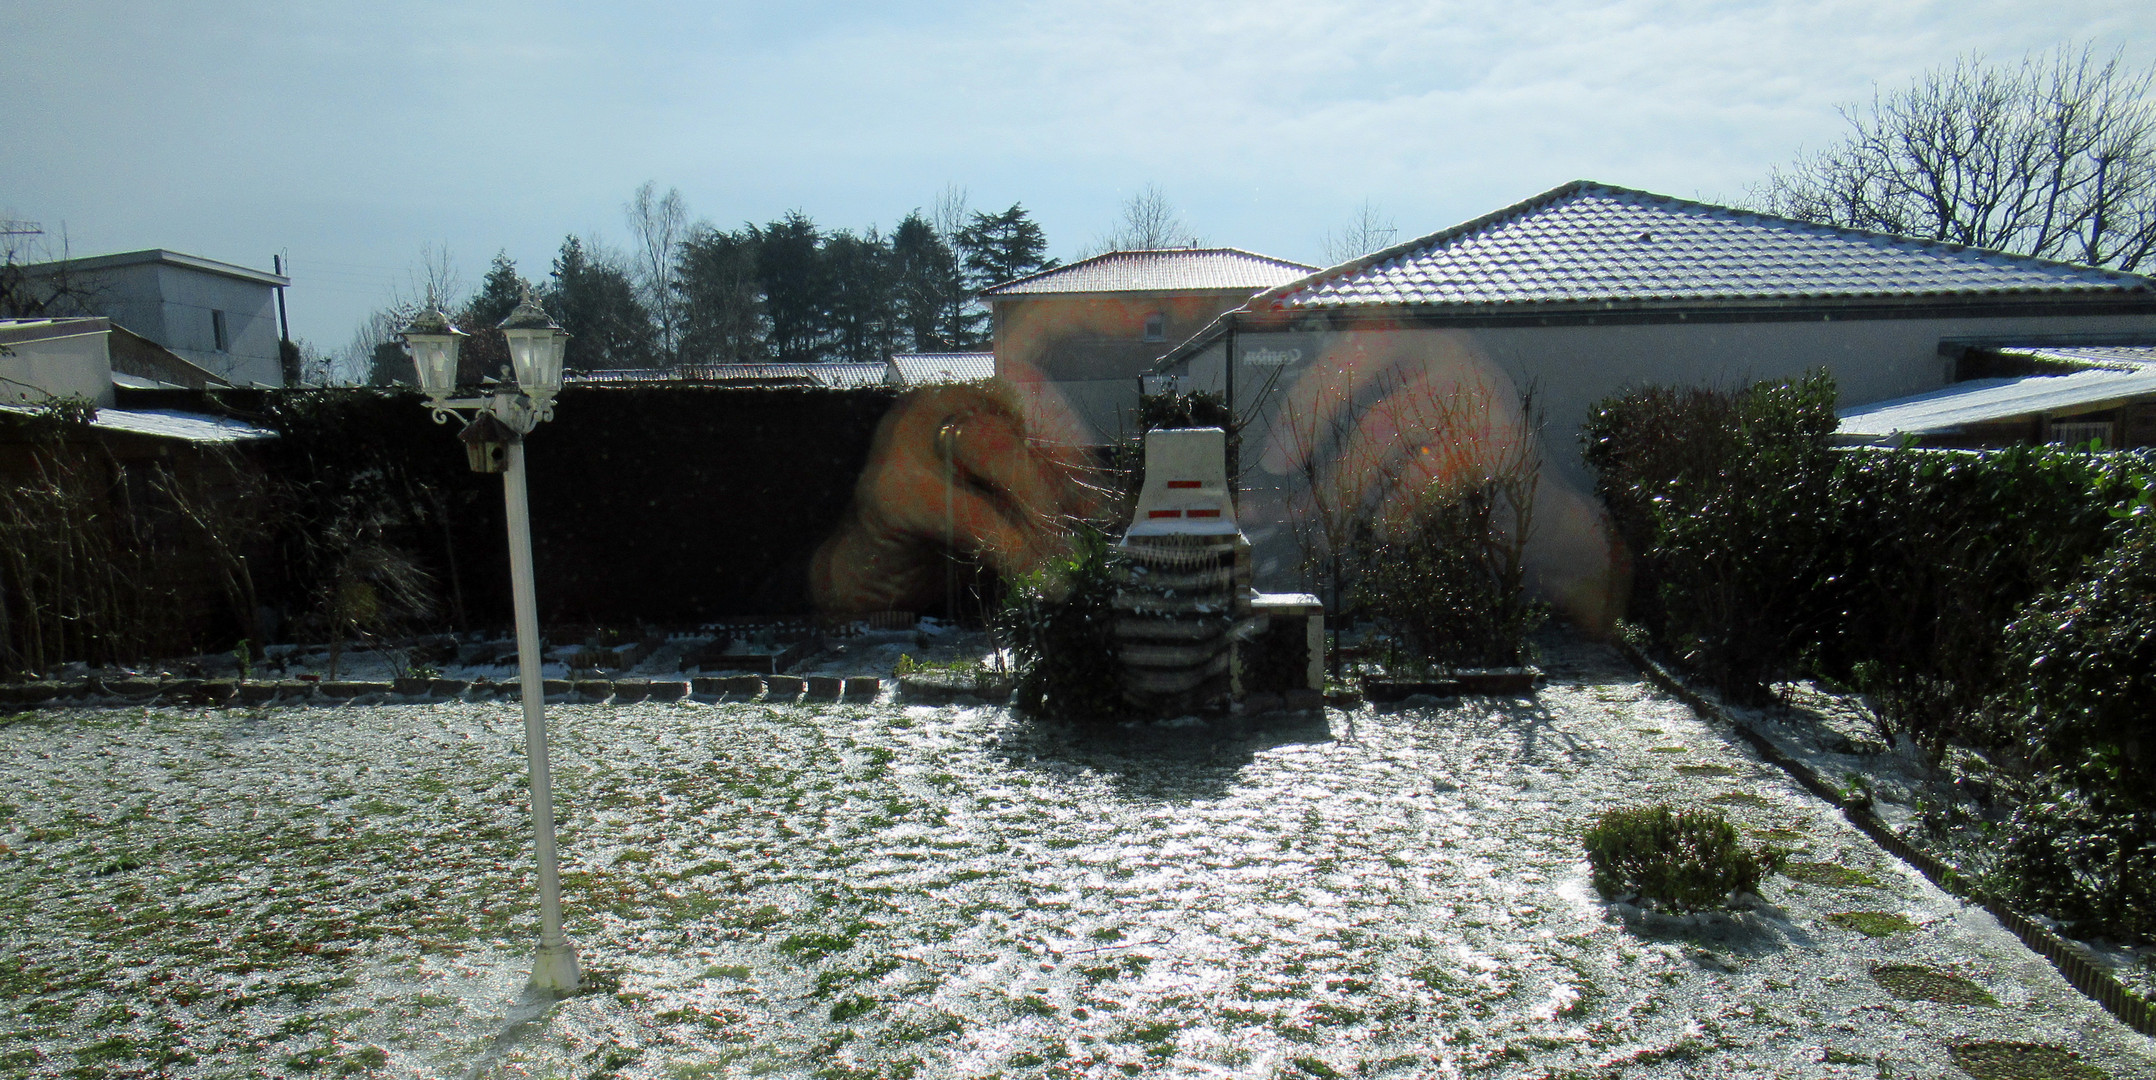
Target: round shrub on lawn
1676, 860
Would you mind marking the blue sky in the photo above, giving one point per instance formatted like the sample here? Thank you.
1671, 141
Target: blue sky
349, 136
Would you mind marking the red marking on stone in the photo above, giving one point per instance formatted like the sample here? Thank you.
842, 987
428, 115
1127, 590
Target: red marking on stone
1165, 513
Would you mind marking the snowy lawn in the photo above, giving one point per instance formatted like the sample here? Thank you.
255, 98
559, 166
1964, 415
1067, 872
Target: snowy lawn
880, 891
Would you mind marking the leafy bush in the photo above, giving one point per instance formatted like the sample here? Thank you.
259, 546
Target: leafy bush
1060, 622
1452, 587
1679, 860
1934, 552
1723, 499
2085, 848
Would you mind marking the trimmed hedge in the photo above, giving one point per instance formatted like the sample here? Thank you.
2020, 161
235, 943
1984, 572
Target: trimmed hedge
651, 504
1994, 599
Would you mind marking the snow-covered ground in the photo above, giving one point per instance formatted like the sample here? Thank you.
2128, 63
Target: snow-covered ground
883, 890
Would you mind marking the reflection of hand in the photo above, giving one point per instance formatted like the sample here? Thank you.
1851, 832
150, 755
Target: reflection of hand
952, 475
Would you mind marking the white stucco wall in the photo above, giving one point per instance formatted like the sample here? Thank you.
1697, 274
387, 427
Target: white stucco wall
172, 305
67, 365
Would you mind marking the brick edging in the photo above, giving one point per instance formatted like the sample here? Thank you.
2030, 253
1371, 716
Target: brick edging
230, 693
2091, 980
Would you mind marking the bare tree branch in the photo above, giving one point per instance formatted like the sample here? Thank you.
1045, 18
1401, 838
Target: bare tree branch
2055, 158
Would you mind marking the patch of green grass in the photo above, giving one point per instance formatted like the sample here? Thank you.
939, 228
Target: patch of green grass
2023, 1061
1913, 982
1876, 924
1829, 875
1738, 798
851, 1007
1669, 750
727, 971
1311, 1066
1706, 770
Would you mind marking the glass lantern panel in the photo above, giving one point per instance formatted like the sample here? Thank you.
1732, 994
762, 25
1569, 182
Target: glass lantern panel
436, 360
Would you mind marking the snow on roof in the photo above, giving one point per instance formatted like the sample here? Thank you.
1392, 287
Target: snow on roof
170, 424
1163, 270
837, 376
1590, 242
1979, 401
2114, 357
928, 369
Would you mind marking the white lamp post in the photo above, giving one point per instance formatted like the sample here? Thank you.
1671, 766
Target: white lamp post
495, 440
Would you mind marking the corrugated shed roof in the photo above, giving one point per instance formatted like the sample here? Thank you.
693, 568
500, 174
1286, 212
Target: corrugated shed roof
929, 369
1590, 242
1980, 401
839, 376
2114, 357
1165, 270
170, 424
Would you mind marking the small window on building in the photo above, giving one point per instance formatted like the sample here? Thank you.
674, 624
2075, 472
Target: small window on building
217, 331
2080, 432
1156, 327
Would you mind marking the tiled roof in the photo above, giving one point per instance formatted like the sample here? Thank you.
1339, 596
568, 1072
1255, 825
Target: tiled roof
926, 369
1983, 400
1593, 243
1165, 270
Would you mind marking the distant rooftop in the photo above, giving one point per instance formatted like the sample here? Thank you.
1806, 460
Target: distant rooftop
836, 376
1979, 401
160, 255
1162, 270
928, 369
168, 424
1586, 242
2113, 357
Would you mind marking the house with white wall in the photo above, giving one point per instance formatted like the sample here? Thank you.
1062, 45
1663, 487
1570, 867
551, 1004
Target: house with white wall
1588, 289
218, 316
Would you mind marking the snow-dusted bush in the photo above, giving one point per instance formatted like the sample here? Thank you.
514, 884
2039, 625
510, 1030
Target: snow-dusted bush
1677, 860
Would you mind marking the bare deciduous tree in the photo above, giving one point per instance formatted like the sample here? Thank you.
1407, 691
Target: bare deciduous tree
2054, 158
35, 278
1149, 223
1368, 231
660, 225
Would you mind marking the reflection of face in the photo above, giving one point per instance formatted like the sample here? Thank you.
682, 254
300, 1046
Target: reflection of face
955, 473
1381, 424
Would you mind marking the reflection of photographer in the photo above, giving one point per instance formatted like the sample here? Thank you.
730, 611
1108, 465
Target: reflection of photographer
956, 473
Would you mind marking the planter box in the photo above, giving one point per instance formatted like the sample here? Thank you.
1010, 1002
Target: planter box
353, 689
745, 685
784, 687
412, 687
628, 690
826, 687
1499, 680
594, 689
940, 687
863, 687
668, 690
448, 687
1393, 691
709, 685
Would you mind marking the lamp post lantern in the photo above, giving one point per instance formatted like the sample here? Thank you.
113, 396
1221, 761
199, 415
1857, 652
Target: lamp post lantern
494, 437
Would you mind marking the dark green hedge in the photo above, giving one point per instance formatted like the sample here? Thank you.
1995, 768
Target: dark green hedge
658, 505
2002, 599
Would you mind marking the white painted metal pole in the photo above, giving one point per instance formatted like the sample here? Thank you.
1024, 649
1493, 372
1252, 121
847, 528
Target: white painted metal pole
554, 968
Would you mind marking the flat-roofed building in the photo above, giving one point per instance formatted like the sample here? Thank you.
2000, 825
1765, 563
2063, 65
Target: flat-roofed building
216, 315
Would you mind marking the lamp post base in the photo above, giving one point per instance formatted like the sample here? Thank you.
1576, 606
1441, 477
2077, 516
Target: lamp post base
554, 969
